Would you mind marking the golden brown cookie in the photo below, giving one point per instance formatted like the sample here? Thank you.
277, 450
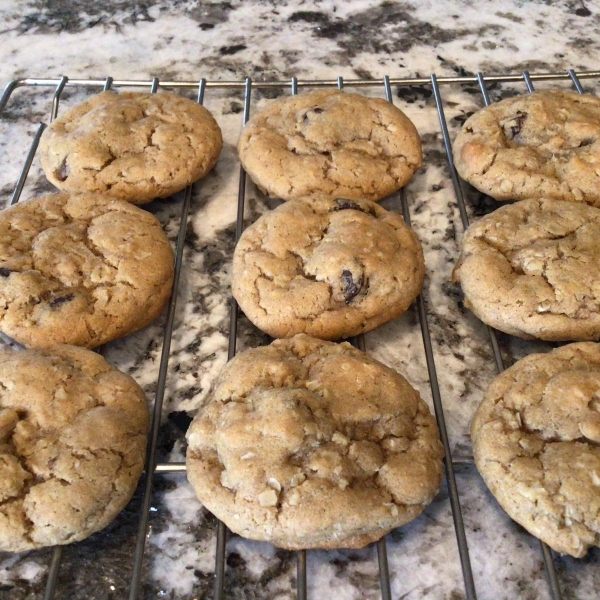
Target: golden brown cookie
81, 270
330, 142
133, 146
72, 445
328, 268
544, 144
311, 444
532, 269
536, 439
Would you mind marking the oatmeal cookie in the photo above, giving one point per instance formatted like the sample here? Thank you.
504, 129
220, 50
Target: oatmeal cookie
329, 268
536, 439
330, 142
80, 270
544, 144
72, 445
532, 269
311, 444
134, 146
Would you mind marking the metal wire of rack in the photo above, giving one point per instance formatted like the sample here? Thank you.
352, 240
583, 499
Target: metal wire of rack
152, 466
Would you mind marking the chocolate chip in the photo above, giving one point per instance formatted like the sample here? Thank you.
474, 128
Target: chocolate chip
315, 110
63, 171
59, 300
350, 287
344, 204
519, 125
515, 125
4, 272
586, 142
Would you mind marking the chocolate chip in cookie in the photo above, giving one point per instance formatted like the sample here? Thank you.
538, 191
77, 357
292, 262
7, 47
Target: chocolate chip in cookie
345, 204
350, 287
58, 301
63, 170
315, 110
513, 125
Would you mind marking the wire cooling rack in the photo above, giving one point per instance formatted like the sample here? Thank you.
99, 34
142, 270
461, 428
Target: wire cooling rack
153, 468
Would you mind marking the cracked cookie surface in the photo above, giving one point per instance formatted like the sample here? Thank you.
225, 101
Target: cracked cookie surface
330, 142
532, 269
328, 268
544, 144
133, 146
311, 444
80, 270
536, 439
72, 445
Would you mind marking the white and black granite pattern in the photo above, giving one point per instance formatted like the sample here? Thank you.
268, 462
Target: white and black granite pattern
275, 40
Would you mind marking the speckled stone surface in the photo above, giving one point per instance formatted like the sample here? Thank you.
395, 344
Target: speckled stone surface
271, 40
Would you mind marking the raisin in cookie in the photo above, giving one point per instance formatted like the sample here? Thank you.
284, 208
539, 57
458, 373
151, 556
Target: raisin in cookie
532, 269
544, 144
133, 146
536, 439
72, 445
329, 268
330, 142
311, 444
80, 270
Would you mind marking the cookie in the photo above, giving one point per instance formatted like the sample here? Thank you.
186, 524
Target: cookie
80, 270
532, 269
133, 146
72, 445
328, 268
544, 144
536, 441
330, 142
311, 444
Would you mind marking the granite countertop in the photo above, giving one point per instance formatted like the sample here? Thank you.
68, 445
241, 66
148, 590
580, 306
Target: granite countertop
366, 39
